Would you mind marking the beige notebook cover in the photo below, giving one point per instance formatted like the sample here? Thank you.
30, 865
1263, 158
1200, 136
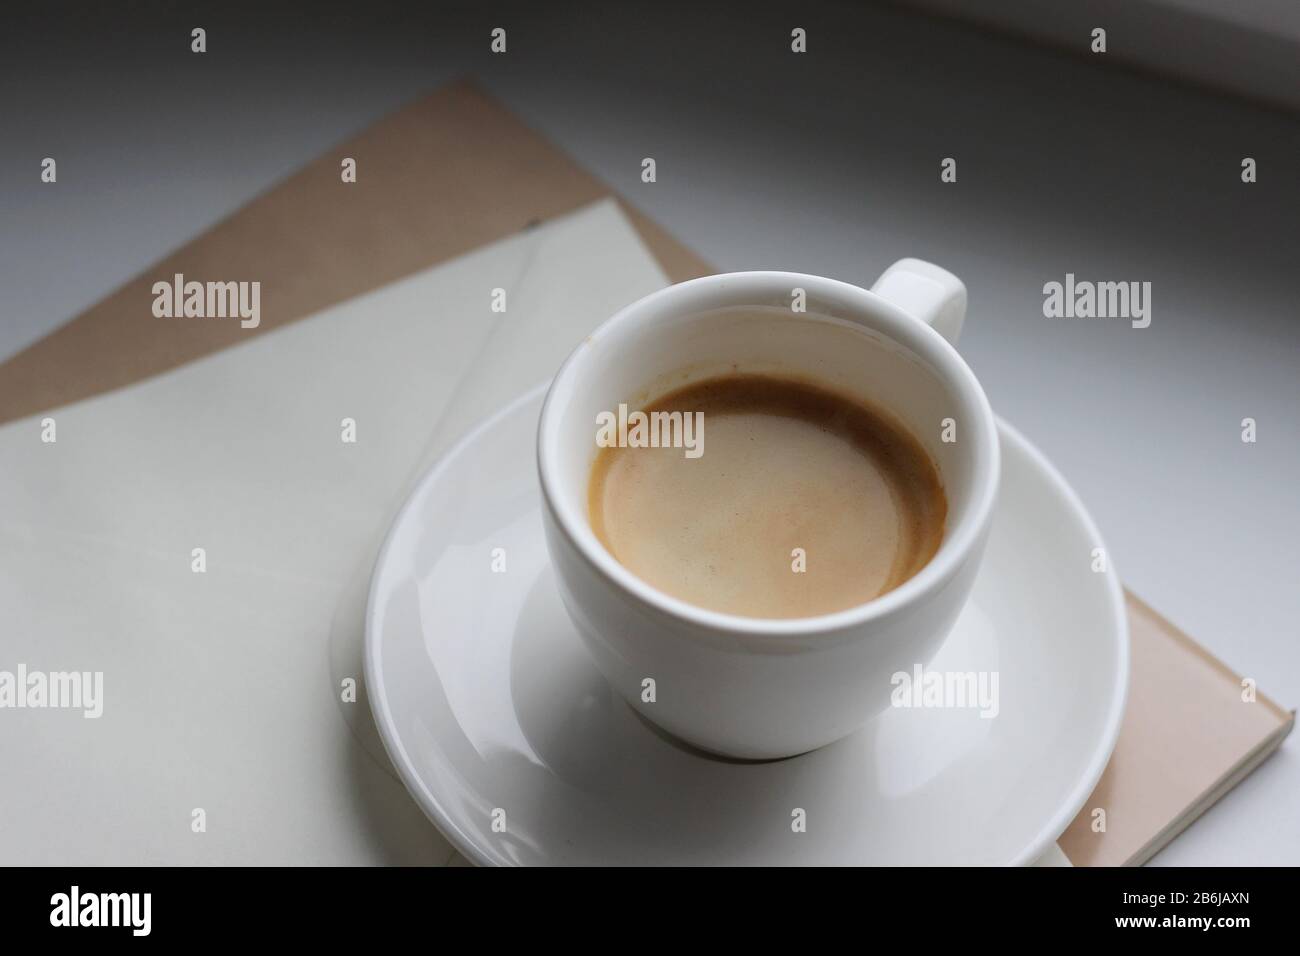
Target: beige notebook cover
1190, 733
454, 171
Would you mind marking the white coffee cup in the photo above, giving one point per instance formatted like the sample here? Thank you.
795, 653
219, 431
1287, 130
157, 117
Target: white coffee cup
753, 687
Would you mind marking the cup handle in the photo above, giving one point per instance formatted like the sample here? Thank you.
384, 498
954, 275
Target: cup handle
922, 289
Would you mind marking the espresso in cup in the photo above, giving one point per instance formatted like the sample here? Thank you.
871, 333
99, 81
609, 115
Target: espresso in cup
796, 500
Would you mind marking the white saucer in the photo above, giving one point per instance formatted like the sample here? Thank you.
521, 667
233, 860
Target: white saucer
494, 717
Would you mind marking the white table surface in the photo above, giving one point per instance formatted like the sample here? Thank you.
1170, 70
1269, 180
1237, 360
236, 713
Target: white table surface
824, 163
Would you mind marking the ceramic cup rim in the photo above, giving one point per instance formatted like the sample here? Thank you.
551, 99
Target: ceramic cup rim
752, 289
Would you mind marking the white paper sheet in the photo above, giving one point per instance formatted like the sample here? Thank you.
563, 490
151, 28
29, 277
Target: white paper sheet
222, 689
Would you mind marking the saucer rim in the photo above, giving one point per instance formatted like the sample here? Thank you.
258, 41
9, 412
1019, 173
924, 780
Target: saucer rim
468, 847
373, 669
